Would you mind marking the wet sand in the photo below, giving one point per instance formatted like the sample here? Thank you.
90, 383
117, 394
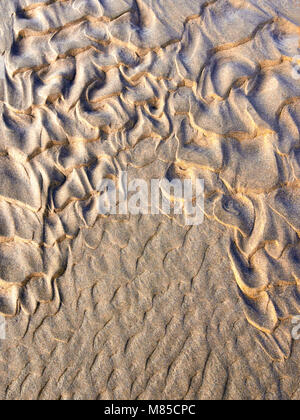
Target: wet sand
145, 306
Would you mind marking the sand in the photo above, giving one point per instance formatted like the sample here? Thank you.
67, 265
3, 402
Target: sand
145, 306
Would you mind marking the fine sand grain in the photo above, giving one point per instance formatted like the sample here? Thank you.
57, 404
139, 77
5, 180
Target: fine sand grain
145, 306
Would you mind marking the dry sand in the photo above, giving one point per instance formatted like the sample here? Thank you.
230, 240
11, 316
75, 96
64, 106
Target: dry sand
145, 307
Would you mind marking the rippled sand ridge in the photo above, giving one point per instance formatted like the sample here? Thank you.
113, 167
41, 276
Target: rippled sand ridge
145, 306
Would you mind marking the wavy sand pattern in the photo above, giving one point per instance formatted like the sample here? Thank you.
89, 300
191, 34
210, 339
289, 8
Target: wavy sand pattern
144, 307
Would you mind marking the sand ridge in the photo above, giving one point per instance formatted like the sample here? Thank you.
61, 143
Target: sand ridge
192, 89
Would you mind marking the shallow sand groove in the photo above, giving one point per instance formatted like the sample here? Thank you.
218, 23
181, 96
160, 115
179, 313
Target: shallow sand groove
144, 307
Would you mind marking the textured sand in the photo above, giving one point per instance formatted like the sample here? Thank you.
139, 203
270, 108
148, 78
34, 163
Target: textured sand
145, 307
